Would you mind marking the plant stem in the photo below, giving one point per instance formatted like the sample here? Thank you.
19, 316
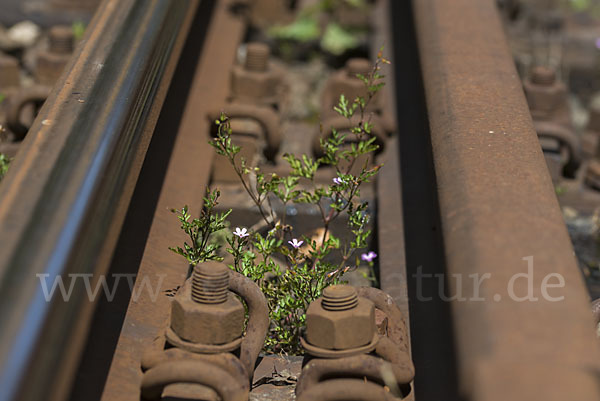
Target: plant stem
249, 191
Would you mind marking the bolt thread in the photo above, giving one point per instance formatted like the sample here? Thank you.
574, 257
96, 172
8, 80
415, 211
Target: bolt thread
543, 76
210, 282
339, 298
61, 39
257, 57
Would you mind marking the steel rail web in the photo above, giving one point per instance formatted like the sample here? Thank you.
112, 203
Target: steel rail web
64, 200
497, 206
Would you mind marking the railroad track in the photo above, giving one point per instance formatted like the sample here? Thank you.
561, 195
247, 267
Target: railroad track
463, 204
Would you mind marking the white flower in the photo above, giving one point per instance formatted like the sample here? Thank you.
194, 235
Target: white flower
295, 243
241, 232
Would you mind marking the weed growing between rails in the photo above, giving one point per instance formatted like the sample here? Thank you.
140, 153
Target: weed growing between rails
4, 163
308, 268
4, 160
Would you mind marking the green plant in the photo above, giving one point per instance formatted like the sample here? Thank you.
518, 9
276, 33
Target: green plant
200, 231
335, 38
78, 28
579, 5
4, 163
292, 269
590, 7
303, 29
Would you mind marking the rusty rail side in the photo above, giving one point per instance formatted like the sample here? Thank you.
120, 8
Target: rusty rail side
390, 225
497, 207
64, 200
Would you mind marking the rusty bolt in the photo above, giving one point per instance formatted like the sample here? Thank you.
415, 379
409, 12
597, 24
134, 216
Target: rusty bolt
9, 71
345, 82
544, 76
206, 312
61, 39
352, 16
592, 175
256, 82
266, 13
545, 94
340, 320
358, 66
51, 62
257, 57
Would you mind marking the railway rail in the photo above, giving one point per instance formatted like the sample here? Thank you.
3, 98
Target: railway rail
464, 204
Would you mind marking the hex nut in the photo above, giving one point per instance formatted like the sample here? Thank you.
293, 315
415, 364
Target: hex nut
50, 66
592, 175
61, 39
251, 150
341, 83
257, 57
345, 82
542, 75
266, 13
543, 100
352, 16
206, 323
355, 66
9, 71
340, 329
255, 85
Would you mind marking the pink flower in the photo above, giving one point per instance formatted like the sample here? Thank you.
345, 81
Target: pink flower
368, 257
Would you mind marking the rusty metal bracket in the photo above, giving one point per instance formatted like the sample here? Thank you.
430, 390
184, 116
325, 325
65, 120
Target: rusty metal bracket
566, 138
231, 371
396, 328
210, 365
188, 371
347, 389
373, 368
258, 81
596, 310
263, 115
35, 95
366, 373
258, 322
